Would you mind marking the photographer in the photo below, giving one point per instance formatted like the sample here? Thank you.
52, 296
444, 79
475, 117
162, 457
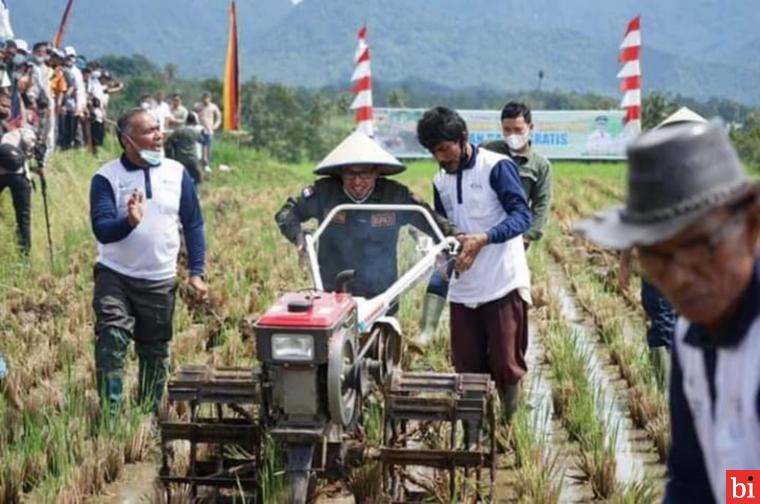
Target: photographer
16, 147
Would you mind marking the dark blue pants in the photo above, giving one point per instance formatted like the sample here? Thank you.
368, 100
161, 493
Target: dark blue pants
662, 318
21, 191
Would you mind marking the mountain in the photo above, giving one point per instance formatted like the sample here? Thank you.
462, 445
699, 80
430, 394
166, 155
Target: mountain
699, 48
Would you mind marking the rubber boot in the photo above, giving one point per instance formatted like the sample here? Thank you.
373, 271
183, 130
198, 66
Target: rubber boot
153, 371
660, 358
509, 397
110, 351
432, 308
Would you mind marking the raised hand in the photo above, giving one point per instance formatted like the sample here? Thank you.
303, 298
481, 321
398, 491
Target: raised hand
134, 208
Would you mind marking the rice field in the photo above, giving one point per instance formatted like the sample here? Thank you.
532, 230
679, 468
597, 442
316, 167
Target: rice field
592, 423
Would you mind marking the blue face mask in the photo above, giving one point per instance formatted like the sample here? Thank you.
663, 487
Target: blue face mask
152, 157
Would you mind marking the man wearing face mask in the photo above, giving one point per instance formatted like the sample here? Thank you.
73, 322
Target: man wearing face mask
535, 169
41, 92
354, 172
137, 204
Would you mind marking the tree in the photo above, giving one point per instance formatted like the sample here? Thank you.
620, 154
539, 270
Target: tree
170, 73
398, 98
655, 108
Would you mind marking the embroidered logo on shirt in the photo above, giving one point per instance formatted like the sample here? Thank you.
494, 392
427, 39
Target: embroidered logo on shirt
383, 219
308, 192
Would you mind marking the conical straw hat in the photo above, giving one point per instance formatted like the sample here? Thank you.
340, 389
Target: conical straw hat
682, 115
359, 149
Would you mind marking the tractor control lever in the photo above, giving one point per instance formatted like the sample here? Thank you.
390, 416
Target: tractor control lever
343, 279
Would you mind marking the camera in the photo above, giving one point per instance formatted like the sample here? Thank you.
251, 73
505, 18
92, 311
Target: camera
39, 152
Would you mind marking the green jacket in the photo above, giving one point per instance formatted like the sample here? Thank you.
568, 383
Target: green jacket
363, 241
536, 177
180, 145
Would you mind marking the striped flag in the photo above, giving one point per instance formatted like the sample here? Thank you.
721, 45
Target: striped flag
230, 94
362, 86
6, 31
630, 75
58, 39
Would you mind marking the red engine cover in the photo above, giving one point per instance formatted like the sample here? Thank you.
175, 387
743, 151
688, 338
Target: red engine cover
321, 310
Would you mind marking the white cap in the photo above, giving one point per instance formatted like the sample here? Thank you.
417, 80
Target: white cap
21, 45
359, 149
69, 51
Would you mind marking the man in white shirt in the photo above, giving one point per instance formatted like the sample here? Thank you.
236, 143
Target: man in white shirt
162, 111
480, 192
210, 118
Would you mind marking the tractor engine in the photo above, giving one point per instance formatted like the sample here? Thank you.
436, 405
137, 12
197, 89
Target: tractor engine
304, 384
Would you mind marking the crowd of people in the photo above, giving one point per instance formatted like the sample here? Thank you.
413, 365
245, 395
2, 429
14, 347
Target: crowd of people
54, 99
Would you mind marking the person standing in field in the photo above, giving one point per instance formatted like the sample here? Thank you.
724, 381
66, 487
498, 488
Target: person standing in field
536, 178
480, 192
179, 113
661, 319
137, 204
692, 218
535, 169
182, 146
210, 117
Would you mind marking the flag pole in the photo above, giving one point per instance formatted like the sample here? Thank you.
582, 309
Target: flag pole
231, 88
58, 38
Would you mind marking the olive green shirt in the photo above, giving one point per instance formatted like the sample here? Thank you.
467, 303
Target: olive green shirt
536, 178
180, 145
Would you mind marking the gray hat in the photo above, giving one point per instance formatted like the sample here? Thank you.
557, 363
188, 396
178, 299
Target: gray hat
359, 149
676, 175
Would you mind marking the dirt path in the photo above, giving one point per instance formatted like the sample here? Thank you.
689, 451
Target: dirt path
135, 485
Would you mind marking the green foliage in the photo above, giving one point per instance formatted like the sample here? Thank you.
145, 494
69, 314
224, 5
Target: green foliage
293, 124
655, 107
128, 66
746, 138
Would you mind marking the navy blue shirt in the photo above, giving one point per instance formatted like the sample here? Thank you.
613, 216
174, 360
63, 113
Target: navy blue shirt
505, 182
688, 475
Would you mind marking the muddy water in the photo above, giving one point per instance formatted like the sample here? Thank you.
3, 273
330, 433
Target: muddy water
630, 461
549, 432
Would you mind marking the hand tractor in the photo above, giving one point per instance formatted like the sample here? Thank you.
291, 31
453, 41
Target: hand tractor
322, 355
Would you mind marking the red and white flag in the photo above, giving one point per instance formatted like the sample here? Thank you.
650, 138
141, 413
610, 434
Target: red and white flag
630, 75
361, 81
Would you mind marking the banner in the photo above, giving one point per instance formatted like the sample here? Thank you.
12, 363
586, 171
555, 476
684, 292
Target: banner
560, 134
